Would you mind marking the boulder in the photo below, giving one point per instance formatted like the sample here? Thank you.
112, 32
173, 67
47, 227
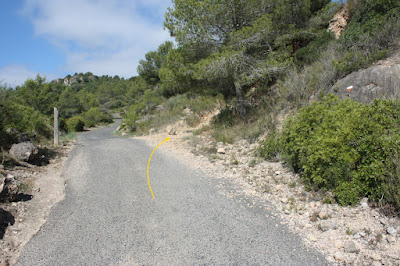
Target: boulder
350, 247
24, 151
221, 151
326, 225
381, 80
391, 231
171, 130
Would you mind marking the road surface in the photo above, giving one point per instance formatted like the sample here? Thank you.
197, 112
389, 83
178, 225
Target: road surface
108, 216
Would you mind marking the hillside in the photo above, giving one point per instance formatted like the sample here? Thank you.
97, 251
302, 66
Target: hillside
298, 98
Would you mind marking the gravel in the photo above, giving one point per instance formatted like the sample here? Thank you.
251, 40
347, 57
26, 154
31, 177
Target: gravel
108, 215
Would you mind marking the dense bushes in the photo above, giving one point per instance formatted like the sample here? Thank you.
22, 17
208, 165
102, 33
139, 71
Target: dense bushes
344, 146
75, 124
94, 117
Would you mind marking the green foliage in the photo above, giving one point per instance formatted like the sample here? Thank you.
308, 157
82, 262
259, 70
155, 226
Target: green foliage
26, 119
149, 68
225, 118
346, 147
374, 27
94, 117
131, 118
75, 124
270, 148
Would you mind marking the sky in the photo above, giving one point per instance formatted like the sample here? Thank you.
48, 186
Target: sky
55, 38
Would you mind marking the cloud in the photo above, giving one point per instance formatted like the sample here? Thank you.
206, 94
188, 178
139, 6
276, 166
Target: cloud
101, 36
16, 75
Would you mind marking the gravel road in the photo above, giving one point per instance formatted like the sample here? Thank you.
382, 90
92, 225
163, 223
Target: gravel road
108, 216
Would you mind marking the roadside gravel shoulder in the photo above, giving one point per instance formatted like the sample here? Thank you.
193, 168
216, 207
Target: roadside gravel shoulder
48, 189
358, 235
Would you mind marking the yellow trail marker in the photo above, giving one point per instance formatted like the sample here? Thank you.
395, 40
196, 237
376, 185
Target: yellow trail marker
148, 165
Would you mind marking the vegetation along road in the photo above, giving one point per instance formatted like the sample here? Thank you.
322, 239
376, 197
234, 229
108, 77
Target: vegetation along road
109, 216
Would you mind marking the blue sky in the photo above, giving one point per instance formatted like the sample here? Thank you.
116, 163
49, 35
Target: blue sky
60, 37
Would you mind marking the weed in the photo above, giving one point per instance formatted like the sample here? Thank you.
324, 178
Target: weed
293, 184
349, 232
235, 162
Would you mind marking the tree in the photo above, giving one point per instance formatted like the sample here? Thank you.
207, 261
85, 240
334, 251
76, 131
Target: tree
149, 68
208, 22
69, 104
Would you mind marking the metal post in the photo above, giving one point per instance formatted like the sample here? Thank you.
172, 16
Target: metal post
56, 134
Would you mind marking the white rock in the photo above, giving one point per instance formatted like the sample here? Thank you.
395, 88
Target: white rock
326, 225
338, 244
376, 263
312, 204
221, 151
171, 130
339, 256
357, 236
364, 203
323, 215
350, 247
391, 239
308, 226
312, 238
376, 257
391, 231
284, 200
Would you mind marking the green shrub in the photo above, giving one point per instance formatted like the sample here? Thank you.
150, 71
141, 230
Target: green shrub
75, 124
192, 120
345, 146
131, 117
270, 148
94, 117
26, 119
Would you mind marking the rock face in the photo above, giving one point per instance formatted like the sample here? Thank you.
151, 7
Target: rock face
76, 79
339, 22
2, 181
24, 151
381, 80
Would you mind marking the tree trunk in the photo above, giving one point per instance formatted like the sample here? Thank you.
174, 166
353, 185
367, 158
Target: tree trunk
240, 101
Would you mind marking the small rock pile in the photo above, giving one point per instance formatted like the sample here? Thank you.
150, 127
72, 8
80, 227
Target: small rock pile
346, 235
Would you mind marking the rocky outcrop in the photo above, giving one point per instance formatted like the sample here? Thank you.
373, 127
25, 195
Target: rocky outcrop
76, 79
339, 22
382, 80
24, 151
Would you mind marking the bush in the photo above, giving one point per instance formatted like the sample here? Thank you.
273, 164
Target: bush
94, 117
347, 147
26, 119
75, 124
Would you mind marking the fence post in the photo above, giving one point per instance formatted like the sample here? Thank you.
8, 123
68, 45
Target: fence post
56, 134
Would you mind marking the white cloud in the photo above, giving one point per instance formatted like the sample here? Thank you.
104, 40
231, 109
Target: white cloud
101, 36
16, 75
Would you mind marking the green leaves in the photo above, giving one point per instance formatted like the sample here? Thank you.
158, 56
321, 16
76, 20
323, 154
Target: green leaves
149, 68
344, 146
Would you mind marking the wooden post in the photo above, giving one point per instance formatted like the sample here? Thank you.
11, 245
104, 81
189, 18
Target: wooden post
56, 134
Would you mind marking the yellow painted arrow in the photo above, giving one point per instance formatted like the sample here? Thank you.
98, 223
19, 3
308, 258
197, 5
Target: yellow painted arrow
148, 165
